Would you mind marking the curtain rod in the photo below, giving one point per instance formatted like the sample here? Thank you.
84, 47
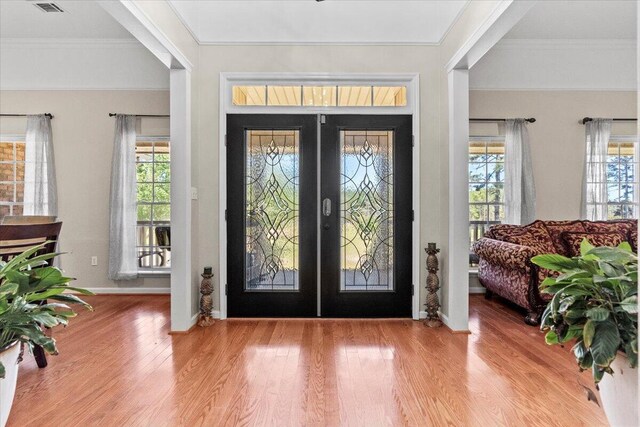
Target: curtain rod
141, 115
530, 120
590, 119
25, 115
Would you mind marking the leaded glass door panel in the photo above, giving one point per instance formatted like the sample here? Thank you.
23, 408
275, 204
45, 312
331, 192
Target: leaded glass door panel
366, 217
272, 215
292, 181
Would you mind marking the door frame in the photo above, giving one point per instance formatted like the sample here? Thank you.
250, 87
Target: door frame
228, 80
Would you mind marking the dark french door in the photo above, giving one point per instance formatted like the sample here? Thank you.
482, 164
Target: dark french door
319, 216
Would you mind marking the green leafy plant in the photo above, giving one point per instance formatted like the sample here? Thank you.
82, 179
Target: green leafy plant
26, 281
594, 303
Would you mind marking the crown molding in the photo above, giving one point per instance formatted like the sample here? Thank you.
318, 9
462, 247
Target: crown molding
563, 44
292, 43
454, 22
53, 43
549, 89
185, 24
82, 89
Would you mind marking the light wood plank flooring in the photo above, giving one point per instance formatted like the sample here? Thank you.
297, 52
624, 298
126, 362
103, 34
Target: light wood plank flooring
119, 367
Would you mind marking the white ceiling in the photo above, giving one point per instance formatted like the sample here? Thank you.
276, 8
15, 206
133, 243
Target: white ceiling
330, 21
578, 20
308, 21
81, 19
565, 45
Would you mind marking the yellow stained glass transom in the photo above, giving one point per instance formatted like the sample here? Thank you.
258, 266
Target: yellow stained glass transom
320, 96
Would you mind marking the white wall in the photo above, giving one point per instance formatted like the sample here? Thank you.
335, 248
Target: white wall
557, 136
557, 64
83, 145
61, 64
208, 61
316, 59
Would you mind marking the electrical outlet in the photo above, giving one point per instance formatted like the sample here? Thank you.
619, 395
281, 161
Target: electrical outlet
94, 260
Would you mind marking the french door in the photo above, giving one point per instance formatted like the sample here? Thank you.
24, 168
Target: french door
319, 215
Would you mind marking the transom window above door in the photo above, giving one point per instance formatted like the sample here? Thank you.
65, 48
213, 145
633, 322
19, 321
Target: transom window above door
319, 96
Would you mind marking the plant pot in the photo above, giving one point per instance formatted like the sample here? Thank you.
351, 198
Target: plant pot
9, 357
619, 394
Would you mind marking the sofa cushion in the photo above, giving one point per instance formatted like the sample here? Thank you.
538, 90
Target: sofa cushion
540, 232
573, 240
528, 238
498, 231
632, 237
556, 228
535, 231
617, 226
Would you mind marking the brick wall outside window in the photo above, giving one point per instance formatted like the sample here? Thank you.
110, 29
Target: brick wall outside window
11, 177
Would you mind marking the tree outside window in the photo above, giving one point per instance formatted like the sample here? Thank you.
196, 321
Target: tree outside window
154, 200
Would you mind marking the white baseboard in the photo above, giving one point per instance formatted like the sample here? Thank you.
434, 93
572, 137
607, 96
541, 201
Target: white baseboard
194, 319
444, 319
130, 291
477, 290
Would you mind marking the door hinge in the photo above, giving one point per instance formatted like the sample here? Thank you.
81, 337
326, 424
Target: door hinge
413, 140
226, 289
323, 119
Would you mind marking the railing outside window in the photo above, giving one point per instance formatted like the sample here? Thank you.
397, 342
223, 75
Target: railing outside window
150, 254
486, 186
154, 203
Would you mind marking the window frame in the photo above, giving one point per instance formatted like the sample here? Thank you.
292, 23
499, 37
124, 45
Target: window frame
479, 225
14, 139
635, 204
152, 223
263, 93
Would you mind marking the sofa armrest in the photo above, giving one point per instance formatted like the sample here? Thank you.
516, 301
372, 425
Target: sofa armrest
505, 254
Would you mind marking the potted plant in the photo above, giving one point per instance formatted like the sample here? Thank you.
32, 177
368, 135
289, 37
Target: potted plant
595, 305
26, 283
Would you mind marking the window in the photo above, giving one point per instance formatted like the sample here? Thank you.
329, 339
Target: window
622, 164
12, 150
320, 96
486, 185
154, 202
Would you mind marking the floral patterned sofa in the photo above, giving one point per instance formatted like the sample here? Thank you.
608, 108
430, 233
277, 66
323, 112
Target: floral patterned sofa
505, 254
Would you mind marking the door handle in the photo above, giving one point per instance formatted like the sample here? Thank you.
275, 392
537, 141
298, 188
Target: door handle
326, 207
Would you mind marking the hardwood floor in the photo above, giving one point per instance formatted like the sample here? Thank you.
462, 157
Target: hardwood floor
119, 367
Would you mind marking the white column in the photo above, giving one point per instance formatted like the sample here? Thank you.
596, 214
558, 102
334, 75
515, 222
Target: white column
180, 122
458, 248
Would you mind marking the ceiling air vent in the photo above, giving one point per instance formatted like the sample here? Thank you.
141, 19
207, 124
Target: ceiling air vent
48, 7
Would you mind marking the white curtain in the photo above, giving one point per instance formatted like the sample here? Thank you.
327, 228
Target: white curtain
40, 190
594, 183
123, 207
520, 192
636, 174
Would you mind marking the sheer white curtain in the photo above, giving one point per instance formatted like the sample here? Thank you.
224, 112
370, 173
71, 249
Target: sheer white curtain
123, 203
594, 183
40, 190
636, 174
520, 191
